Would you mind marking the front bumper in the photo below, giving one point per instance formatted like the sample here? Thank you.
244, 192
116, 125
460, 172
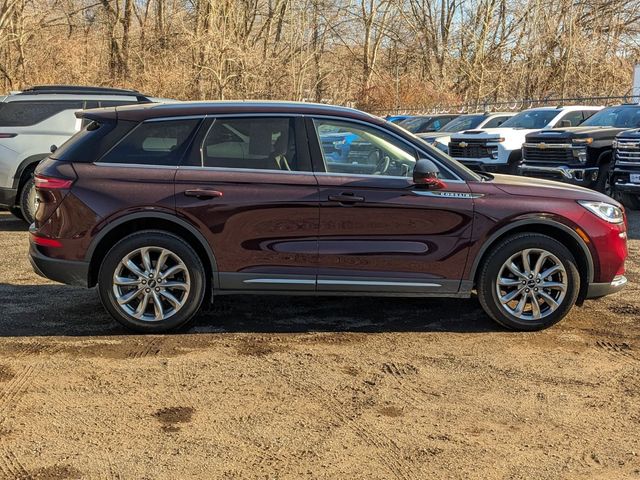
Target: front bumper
63, 271
597, 290
8, 197
563, 173
620, 179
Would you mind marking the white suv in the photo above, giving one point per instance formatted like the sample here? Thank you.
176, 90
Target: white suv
500, 149
34, 121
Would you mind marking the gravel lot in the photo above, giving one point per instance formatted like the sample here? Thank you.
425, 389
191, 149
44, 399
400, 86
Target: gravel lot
291, 387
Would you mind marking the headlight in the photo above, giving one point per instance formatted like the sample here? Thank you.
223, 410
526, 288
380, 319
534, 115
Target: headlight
583, 141
441, 146
580, 153
606, 211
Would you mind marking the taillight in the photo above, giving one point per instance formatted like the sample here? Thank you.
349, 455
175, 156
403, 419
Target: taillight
8, 135
52, 183
45, 242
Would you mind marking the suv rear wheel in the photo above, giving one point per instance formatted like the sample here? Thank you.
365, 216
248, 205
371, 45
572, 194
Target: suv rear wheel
28, 200
528, 282
152, 281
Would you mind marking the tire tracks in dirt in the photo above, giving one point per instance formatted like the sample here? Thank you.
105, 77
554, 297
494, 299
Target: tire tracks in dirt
385, 448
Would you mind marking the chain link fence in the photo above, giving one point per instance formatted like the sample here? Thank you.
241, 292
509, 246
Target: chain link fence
508, 105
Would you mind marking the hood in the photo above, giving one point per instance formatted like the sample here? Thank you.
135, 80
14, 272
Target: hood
537, 187
555, 134
630, 134
491, 133
431, 136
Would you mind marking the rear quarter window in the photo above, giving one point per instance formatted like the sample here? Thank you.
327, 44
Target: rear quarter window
93, 141
154, 143
24, 114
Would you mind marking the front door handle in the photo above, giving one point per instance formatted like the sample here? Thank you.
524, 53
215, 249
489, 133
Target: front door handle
346, 197
203, 193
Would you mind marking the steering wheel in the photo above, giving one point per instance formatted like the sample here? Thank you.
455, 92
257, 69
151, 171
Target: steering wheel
382, 163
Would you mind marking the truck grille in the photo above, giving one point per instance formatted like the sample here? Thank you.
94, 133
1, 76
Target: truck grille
628, 150
533, 153
471, 149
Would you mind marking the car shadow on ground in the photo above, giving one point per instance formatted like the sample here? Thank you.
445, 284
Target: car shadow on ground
58, 310
9, 223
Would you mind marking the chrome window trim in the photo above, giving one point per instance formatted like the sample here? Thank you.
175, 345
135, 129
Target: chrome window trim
388, 132
248, 170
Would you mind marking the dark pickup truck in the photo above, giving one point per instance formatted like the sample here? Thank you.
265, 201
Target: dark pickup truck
579, 155
625, 178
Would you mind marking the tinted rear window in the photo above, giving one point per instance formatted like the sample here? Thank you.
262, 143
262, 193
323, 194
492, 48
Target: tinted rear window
154, 143
93, 141
23, 114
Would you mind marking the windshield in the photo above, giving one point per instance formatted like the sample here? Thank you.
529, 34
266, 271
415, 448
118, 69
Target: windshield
621, 117
463, 122
417, 124
533, 119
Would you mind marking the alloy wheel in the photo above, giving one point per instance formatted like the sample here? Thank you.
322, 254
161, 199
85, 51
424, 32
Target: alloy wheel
151, 284
531, 284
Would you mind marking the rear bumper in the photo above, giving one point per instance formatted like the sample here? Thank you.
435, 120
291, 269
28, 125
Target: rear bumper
597, 290
564, 173
63, 271
8, 197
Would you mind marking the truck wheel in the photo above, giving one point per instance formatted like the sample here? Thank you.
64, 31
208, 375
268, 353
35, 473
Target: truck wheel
28, 200
603, 183
529, 281
630, 200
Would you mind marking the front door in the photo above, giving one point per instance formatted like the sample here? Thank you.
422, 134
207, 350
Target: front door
378, 232
247, 183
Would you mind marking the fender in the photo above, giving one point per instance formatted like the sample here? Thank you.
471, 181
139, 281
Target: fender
159, 215
533, 221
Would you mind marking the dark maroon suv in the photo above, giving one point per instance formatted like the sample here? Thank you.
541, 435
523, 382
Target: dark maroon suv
165, 206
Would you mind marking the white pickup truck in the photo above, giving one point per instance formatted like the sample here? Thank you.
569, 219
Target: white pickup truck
500, 149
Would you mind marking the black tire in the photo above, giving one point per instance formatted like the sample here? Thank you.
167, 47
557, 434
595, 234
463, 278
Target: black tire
27, 204
630, 200
163, 240
490, 269
514, 162
603, 182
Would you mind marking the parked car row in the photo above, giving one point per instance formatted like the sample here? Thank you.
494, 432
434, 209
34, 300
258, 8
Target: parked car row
583, 145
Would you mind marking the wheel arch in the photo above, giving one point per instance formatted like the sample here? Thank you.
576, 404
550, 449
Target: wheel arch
553, 229
118, 229
27, 166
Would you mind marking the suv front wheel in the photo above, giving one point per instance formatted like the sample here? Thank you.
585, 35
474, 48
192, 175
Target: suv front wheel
528, 282
152, 281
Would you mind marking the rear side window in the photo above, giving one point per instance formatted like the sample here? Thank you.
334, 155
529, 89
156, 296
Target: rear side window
154, 143
24, 114
249, 143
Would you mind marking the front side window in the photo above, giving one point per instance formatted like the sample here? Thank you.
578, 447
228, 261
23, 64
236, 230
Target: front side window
495, 122
355, 148
154, 143
249, 143
571, 119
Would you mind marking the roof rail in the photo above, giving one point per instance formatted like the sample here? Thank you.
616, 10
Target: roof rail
82, 90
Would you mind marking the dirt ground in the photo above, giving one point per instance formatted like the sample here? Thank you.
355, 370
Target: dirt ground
328, 388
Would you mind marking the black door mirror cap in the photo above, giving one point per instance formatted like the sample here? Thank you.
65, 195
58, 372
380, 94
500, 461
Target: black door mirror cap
425, 175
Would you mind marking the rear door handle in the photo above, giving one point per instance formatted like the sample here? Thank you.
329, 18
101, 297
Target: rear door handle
203, 193
346, 198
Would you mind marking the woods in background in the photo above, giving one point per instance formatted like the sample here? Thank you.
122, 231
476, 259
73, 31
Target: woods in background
374, 54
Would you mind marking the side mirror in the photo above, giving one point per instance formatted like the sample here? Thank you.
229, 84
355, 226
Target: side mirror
53, 148
565, 123
425, 174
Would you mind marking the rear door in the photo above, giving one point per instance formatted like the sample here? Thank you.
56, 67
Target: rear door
247, 184
378, 233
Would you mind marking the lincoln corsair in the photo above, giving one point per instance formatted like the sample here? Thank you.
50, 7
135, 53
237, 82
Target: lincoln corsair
165, 206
